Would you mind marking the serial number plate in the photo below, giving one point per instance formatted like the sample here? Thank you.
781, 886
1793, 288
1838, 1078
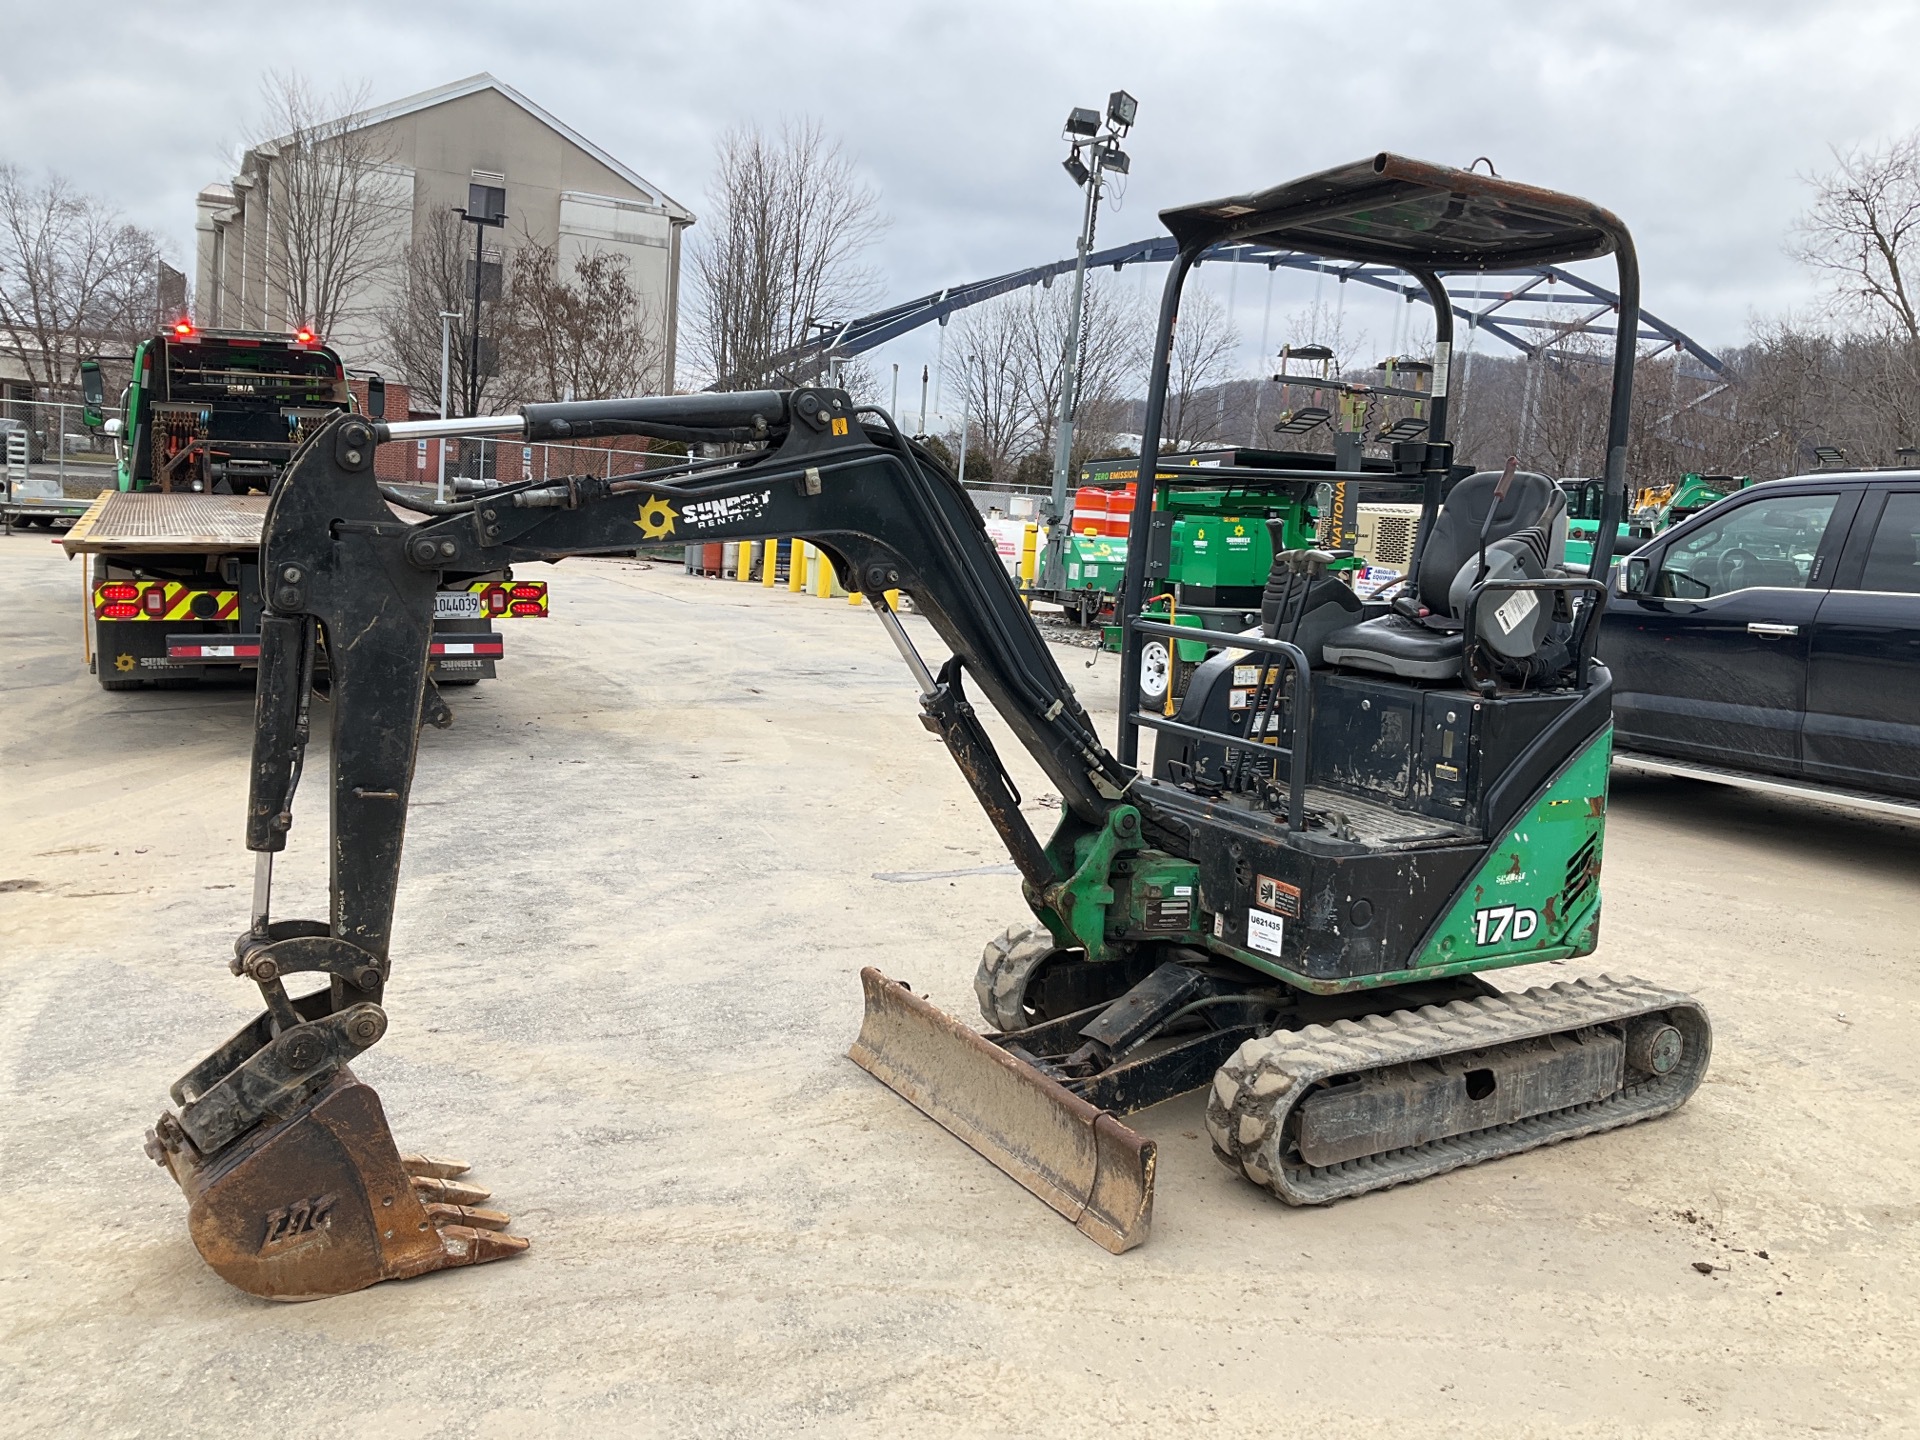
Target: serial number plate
456, 605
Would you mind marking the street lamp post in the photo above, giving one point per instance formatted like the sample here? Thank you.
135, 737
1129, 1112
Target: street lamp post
966, 411
1095, 154
486, 207
447, 317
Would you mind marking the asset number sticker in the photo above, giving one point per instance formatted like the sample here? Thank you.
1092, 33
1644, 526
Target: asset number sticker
1265, 932
1504, 922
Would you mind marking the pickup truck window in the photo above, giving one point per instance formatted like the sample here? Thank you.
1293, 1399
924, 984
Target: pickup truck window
1771, 542
1894, 561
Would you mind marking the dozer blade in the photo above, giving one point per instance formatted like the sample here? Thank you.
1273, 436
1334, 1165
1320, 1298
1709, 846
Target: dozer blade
322, 1203
1073, 1155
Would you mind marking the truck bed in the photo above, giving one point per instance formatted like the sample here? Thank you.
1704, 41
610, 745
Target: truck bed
155, 522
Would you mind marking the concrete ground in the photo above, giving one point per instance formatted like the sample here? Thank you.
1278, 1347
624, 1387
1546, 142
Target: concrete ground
644, 870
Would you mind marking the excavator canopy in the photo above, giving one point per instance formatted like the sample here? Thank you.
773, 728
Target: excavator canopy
1390, 210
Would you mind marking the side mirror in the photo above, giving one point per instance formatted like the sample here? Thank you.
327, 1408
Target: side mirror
93, 390
376, 398
1631, 576
113, 428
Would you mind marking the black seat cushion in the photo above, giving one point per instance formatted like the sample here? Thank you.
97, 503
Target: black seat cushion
1456, 534
1395, 645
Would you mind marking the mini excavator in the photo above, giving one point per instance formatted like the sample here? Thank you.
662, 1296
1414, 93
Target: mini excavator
1360, 808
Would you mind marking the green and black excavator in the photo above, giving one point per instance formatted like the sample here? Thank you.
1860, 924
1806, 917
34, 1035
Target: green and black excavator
1360, 809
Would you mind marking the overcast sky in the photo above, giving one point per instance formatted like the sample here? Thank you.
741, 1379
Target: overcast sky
1695, 120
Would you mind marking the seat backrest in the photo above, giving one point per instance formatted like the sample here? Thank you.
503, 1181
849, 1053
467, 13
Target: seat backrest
1456, 534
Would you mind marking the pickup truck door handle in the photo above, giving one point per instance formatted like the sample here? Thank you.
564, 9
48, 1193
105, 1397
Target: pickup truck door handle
1760, 628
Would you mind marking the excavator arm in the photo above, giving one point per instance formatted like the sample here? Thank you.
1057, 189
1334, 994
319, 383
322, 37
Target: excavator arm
344, 570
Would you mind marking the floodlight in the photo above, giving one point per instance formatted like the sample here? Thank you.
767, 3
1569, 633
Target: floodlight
1111, 157
1306, 352
1083, 122
1121, 108
1299, 422
1074, 168
1407, 429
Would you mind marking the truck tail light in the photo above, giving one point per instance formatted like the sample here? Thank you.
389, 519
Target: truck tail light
155, 601
496, 600
528, 597
117, 600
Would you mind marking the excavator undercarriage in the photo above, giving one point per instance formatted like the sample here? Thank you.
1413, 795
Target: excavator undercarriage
1359, 809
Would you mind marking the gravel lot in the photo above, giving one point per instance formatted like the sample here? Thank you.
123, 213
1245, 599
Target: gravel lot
644, 871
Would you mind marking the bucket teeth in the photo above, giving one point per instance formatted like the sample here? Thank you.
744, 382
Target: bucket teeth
320, 1202
445, 1215
467, 1245
451, 1192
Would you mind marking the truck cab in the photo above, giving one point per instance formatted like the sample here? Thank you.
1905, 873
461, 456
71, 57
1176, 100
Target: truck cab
1774, 638
216, 412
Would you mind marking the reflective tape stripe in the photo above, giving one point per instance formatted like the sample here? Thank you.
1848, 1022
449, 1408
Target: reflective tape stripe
230, 651
176, 601
485, 646
497, 598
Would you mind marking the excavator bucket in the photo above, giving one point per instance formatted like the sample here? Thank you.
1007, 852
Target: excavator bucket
1073, 1155
321, 1202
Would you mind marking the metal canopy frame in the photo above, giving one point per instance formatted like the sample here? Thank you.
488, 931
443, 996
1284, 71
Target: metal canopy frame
1525, 307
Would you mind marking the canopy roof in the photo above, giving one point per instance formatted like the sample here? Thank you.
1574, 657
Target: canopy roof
1394, 211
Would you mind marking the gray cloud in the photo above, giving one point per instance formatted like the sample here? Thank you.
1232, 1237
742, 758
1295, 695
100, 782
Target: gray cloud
1691, 120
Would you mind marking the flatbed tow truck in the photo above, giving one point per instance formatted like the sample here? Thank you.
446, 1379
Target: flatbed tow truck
211, 419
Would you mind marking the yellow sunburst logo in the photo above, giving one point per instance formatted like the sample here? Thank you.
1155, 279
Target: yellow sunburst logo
123, 663
656, 519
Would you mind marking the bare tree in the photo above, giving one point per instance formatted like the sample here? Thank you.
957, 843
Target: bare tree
984, 365
75, 277
1863, 229
1113, 347
331, 201
1204, 346
590, 337
435, 277
791, 218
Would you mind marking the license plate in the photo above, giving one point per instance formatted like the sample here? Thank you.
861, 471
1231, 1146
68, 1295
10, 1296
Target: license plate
456, 605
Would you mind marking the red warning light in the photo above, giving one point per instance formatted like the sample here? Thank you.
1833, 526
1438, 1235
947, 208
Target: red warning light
183, 327
305, 337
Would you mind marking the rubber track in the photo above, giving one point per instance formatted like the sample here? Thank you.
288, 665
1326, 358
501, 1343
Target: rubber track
1254, 1092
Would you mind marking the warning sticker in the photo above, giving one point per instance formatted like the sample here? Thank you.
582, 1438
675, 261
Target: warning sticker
1239, 699
1265, 932
1246, 674
1515, 611
1277, 895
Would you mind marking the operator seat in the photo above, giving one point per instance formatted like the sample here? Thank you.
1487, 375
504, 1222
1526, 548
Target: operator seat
1429, 644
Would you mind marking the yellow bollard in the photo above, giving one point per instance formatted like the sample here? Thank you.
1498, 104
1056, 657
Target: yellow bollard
1029, 561
769, 563
893, 599
797, 567
822, 574
743, 569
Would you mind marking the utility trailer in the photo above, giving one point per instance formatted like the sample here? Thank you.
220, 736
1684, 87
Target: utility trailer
210, 419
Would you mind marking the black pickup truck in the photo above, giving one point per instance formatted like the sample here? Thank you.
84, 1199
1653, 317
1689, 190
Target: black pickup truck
1773, 640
